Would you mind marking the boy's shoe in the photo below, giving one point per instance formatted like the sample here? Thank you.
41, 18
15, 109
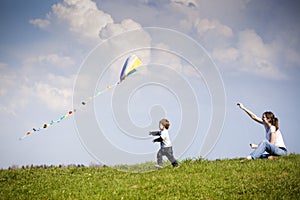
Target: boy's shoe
175, 164
158, 166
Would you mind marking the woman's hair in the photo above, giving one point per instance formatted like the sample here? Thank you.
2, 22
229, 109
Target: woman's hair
165, 123
272, 119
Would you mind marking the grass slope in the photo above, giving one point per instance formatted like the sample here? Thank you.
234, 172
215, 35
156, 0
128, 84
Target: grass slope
199, 179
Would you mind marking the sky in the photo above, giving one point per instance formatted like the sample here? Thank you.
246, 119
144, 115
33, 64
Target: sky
199, 59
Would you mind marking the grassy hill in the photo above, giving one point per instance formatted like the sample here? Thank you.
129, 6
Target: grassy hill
195, 179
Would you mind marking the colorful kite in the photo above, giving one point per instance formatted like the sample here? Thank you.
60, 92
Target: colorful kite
129, 67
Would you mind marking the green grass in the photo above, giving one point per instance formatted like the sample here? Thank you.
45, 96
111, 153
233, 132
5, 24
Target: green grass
195, 179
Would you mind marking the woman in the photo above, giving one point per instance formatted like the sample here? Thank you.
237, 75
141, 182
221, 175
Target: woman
273, 144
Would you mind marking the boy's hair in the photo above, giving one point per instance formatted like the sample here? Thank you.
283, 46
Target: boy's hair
165, 123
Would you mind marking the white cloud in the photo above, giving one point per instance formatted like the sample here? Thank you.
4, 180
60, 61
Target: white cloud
53, 93
252, 44
3, 65
11, 90
211, 34
112, 29
244, 51
292, 56
256, 56
186, 24
81, 17
6, 78
205, 26
226, 55
54, 97
187, 3
53, 60
41, 23
33, 84
84, 20
251, 55
164, 56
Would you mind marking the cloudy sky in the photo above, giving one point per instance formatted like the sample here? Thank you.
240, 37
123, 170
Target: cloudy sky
43, 45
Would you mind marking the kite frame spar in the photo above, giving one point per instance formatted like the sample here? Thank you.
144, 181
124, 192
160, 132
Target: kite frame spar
129, 67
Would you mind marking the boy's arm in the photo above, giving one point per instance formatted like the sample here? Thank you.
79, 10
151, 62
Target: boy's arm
154, 133
158, 140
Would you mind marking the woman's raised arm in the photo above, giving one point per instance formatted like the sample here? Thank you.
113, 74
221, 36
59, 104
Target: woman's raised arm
251, 114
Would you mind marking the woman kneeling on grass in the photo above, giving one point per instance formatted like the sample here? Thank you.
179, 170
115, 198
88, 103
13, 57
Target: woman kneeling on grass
273, 144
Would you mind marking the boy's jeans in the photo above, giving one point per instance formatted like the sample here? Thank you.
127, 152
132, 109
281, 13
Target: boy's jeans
166, 151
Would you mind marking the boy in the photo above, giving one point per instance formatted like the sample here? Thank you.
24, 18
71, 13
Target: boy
165, 143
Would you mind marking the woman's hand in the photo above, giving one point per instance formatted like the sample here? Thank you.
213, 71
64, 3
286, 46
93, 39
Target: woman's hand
241, 106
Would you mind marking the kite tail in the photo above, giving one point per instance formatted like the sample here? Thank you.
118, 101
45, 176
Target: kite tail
68, 114
91, 98
129, 67
44, 126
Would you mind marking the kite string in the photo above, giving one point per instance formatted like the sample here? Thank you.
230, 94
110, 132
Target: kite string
89, 99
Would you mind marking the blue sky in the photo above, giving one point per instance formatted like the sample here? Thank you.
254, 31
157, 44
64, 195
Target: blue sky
43, 45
